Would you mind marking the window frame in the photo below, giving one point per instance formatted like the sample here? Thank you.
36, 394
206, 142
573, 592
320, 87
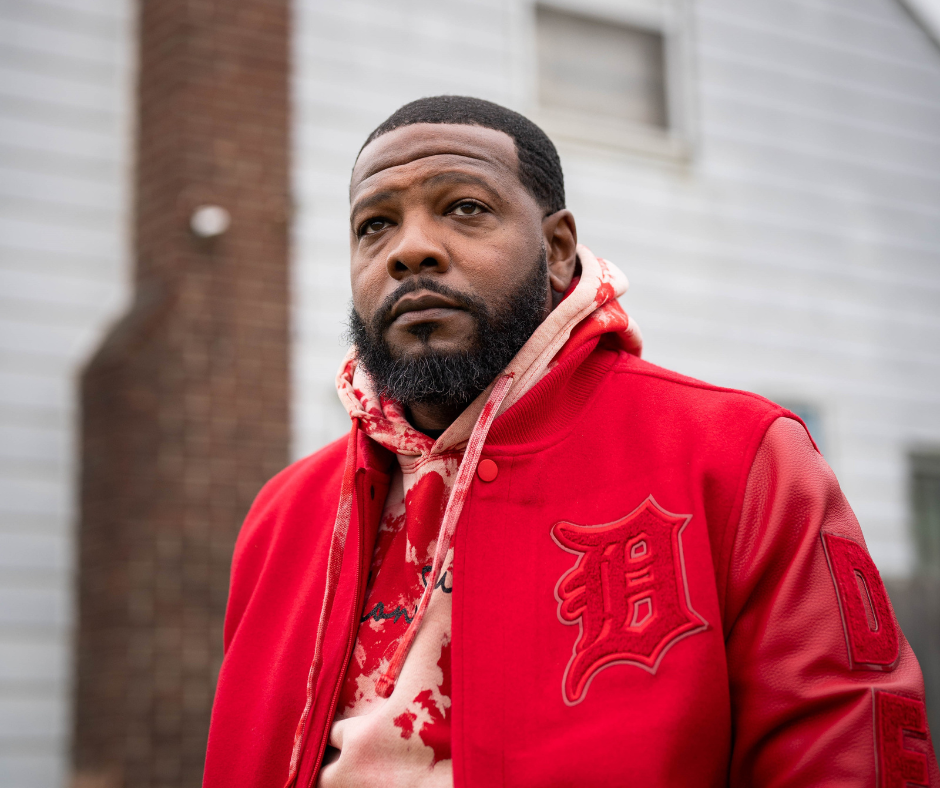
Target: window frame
922, 461
669, 18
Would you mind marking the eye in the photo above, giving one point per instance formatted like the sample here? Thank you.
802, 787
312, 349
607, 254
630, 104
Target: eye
373, 226
467, 208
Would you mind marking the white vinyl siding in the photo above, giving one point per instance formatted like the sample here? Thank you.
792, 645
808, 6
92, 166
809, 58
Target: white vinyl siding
65, 139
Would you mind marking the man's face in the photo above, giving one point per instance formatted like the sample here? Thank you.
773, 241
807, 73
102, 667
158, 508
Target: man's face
449, 252
441, 202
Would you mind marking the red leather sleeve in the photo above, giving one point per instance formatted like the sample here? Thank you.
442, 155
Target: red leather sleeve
825, 689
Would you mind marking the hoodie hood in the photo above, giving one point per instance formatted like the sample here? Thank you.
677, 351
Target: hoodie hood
588, 309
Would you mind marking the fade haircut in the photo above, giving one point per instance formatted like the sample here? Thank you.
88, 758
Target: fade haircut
539, 165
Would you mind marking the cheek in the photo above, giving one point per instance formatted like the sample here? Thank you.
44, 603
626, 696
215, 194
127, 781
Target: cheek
497, 266
366, 283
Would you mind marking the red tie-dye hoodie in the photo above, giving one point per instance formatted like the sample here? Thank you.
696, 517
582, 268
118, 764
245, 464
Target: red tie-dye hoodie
392, 724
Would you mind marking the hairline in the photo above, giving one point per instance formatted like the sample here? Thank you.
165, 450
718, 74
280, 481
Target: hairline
515, 144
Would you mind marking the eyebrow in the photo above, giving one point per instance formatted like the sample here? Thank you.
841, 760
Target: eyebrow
463, 177
367, 202
444, 177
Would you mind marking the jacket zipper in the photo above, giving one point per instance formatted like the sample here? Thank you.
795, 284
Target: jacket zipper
351, 636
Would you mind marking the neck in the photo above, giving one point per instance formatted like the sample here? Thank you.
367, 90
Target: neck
431, 416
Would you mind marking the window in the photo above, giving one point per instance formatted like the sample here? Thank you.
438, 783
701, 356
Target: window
609, 73
918, 598
925, 505
601, 68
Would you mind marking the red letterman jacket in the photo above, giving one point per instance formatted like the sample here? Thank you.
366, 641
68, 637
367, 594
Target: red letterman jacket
616, 618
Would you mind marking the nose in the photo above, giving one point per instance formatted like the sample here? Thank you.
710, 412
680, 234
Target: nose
417, 251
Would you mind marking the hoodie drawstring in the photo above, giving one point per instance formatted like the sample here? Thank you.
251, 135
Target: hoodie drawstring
334, 565
468, 465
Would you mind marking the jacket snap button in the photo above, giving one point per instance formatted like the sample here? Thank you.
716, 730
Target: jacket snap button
487, 470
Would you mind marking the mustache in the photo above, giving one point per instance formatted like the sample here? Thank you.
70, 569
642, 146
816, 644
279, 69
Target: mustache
383, 315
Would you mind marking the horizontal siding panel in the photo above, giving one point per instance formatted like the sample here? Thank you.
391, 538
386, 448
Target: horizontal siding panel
34, 660
850, 164
755, 29
731, 178
829, 131
26, 135
811, 92
55, 190
832, 225
814, 91
777, 343
30, 497
59, 93
64, 342
96, 8
99, 57
106, 21
23, 285
31, 765
791, 302
87, 268
29, 719
742, 249
33, 109
414, 45
16, 233
86, 218
32, 607
888, 38
731, 148
432, 19
33, 551
35, 161
420, 82
887, 11
32, 443
33, 390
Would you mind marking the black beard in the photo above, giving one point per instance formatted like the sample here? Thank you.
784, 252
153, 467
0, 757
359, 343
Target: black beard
450, 378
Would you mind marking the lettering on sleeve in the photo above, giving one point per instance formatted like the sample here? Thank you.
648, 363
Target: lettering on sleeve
897, 717
867, 618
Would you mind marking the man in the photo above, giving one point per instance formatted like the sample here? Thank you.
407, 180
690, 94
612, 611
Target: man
537, 560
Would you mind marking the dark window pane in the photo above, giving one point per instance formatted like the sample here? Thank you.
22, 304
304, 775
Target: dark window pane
925, 492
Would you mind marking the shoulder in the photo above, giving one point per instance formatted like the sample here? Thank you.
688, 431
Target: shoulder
673, 415
291, 516
683, 395
304, 476
683, 385
309, 486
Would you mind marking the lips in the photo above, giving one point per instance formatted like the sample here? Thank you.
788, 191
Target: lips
424, 307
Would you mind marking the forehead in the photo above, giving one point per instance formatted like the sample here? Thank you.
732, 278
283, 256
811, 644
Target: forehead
424, 149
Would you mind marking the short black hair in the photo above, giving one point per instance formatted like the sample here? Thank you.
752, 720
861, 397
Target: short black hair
539, 165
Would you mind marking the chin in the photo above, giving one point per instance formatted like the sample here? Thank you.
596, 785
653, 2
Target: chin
421, 348
416, 343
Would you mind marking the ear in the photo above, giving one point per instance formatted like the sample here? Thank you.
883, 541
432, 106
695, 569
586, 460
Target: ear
561, 244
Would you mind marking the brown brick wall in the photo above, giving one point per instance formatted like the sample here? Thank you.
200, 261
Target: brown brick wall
185, 406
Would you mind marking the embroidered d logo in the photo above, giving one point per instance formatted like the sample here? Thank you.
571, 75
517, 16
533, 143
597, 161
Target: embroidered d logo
627, 592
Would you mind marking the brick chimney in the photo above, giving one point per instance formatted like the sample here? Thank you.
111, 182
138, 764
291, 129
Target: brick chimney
185, 405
